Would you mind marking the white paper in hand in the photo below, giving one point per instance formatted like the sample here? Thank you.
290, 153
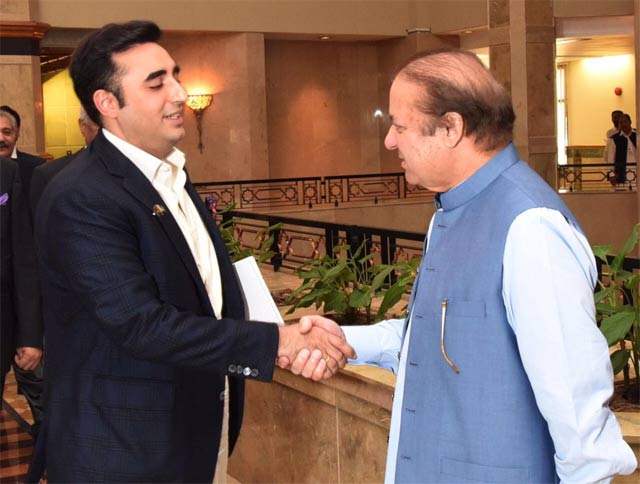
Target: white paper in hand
258, 302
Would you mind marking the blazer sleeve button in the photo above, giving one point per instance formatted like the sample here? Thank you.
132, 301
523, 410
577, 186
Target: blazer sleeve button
254, 372
246, 371
232, 368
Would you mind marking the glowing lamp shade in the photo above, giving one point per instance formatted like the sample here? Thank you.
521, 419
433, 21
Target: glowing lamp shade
198, 103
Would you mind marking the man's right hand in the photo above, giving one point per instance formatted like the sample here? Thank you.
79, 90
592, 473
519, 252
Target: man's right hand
314, 362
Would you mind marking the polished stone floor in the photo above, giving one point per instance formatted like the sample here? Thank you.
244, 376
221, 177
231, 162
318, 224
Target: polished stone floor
15, 441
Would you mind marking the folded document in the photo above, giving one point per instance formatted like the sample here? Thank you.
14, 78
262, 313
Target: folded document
258, 303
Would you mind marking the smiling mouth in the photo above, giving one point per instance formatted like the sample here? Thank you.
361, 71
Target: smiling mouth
174, 116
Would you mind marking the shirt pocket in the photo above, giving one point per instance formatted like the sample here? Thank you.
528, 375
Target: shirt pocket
460, 308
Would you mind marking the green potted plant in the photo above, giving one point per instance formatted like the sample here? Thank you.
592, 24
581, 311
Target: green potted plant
237, 250
618, 311
348, 284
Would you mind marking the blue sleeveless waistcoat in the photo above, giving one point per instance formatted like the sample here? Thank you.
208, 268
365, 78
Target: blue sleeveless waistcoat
481, 425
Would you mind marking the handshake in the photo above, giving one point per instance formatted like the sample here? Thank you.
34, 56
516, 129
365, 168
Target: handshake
315, 348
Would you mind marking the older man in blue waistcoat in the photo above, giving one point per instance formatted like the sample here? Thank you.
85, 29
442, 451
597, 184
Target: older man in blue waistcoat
503, 375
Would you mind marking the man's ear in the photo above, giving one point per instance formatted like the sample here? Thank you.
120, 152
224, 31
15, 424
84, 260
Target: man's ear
454, 129
106, 103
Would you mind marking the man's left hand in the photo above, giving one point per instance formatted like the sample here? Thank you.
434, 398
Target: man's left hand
27, 358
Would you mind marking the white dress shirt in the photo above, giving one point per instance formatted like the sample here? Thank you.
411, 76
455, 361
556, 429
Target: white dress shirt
610, 150
548, 279
168, 178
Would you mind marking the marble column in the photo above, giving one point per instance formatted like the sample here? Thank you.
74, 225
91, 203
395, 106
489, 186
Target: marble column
522, 42
20, 81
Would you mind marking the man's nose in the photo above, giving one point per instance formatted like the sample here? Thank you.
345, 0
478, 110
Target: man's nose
390, 140
179, 94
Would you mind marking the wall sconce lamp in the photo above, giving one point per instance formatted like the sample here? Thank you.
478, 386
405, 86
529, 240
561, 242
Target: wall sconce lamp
198, 103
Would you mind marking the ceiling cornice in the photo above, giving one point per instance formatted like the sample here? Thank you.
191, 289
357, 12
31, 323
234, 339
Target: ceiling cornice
23, 30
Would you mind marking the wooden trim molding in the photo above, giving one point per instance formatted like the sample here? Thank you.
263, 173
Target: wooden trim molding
23, 30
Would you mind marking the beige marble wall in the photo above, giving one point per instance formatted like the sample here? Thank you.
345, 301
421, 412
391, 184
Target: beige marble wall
15, 9
21, 88
366, 17
606, 218
20, 83
321, 99
234, 127
592, 8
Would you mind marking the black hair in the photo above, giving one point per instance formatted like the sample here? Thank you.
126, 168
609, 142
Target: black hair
11, 112
92, 67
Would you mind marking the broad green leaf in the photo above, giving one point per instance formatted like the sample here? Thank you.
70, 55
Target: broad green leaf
303, 287
609, 292
380, 278
619, 359
312, 274
627, 248
335, 302
348, 275
360, 299
315, 294
334, 271
601, 252
605, 309
615, 327
391, 297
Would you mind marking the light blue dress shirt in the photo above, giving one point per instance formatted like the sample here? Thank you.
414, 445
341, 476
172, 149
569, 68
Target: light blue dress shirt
549, 275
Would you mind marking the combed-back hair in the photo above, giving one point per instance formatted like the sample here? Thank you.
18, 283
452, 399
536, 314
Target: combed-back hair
455, 81
11, 114
92, 67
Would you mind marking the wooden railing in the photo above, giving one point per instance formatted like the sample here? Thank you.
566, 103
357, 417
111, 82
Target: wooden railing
594, 177
312, 191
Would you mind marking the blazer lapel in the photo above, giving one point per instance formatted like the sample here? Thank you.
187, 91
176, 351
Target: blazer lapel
140, 188
233, 303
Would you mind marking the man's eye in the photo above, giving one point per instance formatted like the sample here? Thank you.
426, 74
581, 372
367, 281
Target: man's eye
156, 87
399, 129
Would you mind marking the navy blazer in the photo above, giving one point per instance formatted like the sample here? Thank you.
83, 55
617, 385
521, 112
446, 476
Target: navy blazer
27, 164
136, 359
20, 315
43, 174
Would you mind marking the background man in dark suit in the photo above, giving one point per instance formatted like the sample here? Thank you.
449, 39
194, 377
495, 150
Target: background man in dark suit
9, 134
30, 383
46, 171
20, 314
144, 316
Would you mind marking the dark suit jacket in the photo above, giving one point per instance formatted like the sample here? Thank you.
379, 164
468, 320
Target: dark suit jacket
27, 164
136, 360
20, 318
43, 174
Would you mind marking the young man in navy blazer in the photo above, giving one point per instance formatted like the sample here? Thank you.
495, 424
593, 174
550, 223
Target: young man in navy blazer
146, 332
